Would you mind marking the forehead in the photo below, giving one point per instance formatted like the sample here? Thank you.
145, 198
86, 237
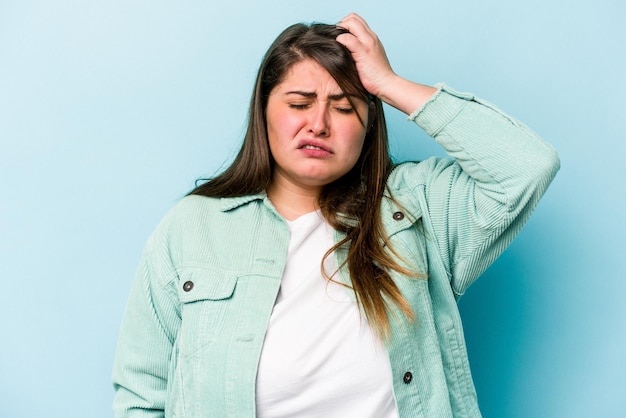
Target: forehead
308, 75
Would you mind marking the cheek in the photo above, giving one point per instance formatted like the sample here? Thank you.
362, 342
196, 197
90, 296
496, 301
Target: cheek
283, 124
356, 140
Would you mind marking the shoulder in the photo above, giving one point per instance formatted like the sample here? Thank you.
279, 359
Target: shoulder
186, 208
200, 221
191, 204
180, 221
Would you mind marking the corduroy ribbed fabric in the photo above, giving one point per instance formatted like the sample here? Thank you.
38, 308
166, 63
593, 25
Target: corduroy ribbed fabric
193, 329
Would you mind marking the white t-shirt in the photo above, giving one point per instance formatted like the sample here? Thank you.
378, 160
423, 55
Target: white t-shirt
320, 358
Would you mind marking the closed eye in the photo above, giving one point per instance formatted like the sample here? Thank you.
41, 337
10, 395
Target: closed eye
299, 106
345, 110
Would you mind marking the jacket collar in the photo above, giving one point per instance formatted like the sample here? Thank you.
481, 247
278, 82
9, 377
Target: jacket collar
229, 203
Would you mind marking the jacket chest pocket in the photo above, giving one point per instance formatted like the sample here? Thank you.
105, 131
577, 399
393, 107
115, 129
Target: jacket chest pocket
206, 309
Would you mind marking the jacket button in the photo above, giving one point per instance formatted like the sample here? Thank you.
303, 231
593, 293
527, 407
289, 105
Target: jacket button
398, 216
188, 286
408, 376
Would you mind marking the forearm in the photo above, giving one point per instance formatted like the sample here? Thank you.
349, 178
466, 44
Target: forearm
479, 202
405, 95
490, 146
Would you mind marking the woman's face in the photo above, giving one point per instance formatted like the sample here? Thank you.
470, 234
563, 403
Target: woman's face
314, 133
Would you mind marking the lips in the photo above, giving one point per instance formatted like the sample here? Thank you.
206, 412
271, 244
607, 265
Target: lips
313, 145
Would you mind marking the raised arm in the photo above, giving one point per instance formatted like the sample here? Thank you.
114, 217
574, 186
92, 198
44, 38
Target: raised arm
477, 202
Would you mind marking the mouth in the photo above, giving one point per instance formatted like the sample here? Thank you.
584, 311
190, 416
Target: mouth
310, 145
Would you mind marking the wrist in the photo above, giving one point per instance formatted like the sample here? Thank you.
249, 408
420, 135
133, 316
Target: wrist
405, 95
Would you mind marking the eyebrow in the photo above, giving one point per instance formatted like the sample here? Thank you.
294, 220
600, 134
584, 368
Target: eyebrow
312, 95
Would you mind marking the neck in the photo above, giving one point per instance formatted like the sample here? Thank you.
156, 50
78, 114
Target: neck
292, 202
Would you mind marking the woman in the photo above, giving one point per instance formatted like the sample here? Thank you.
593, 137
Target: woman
313, 277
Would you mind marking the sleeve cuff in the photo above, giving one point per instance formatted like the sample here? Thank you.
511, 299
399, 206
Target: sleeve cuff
442, 107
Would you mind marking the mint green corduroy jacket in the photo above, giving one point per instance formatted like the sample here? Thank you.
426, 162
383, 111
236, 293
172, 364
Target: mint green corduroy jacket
193, 329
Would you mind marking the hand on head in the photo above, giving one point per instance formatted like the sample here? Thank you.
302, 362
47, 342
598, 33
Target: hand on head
368, 53
375, 71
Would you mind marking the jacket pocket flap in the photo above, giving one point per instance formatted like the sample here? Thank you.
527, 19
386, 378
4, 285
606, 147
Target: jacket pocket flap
206, 285
396, 219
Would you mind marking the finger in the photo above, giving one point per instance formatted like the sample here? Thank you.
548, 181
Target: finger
353, 17
356, 25
349, 41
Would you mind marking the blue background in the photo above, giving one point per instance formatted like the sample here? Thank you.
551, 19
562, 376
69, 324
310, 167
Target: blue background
110, 110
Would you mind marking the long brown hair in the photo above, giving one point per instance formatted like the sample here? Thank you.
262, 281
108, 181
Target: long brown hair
350, 204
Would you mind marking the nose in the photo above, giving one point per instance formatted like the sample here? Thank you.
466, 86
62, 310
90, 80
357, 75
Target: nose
319, 122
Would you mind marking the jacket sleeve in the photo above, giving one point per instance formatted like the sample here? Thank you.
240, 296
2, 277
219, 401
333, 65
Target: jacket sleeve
478, 201
146, 337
